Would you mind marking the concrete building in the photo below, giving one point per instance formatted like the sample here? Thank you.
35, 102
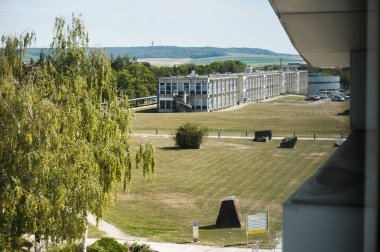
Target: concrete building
337, 209
221, 91
323, 84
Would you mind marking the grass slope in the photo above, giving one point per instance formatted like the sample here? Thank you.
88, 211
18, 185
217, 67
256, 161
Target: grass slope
254, 60
284, 116
191, 183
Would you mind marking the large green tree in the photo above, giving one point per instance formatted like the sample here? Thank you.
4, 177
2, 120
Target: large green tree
64, 131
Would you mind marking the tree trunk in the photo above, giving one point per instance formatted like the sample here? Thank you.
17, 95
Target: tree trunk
84, 242
37, 243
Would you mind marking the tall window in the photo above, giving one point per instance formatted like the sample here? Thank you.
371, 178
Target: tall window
192, 88
168, 88
180, 87
204, 103
204, 88
198, 88
174, 88
162, 104
162, 88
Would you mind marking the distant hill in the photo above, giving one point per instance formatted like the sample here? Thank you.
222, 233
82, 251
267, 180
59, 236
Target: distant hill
170, 52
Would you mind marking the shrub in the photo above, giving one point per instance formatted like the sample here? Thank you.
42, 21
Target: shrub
135, 247
190, 135
106, 245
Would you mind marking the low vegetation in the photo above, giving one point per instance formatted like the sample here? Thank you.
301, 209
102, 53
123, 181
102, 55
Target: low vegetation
190, 135
107, 245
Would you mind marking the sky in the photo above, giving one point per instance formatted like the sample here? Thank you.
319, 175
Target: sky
219, 23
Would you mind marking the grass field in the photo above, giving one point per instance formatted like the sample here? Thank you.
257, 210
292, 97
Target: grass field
255, 60
191, 183
283, 116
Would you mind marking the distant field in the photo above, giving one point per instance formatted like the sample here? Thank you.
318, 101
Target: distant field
283, 118
165, 61
254, 60
191, 183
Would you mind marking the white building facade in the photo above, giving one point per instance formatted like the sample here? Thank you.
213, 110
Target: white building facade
323, 84
222, 91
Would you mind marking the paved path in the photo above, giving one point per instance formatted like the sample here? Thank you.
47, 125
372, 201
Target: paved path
114, 232
111, 230
235, 137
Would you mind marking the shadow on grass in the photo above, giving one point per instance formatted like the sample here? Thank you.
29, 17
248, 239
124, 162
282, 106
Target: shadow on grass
209, 227
150, 110
344, 113
170, 148
235, 245
186, 242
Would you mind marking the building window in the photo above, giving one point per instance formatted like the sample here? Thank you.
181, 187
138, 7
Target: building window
192, 88
198, 88
198, 103
162, 104
162, 88
168, 88
168, 104
187, 87
204, 88
180, 87
174, 88
204, 103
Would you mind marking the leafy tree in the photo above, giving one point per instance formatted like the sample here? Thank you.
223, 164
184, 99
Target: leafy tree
121, 63
145, 82
64, 145
190, 135
145, 159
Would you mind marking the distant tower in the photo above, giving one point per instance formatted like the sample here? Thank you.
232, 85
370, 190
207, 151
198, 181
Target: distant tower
152, 43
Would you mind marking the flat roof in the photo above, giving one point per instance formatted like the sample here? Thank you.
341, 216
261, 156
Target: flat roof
324, 31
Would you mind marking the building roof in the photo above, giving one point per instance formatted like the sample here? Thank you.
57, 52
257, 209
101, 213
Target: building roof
324, 31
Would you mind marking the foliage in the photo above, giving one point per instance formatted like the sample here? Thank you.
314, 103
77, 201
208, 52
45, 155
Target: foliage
145, 159
176, 52
135, 247
67, 248
190, 135
65, 144
343, 72
106, 245
231, 66
122, 62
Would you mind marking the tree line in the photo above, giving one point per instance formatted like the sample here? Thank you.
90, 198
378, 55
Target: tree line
137, 79
65, 138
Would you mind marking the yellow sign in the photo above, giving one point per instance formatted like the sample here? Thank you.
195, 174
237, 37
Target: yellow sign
257, 231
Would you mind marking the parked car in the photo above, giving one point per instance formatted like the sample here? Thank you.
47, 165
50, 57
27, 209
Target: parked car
323, 96
312, 98
337, 98
345, 95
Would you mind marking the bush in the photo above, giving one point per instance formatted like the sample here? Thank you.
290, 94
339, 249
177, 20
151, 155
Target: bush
106, 245
190, 135
135, 247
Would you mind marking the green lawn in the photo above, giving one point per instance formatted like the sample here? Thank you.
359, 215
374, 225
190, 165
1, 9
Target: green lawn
191, 183
292, 99
283, 118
